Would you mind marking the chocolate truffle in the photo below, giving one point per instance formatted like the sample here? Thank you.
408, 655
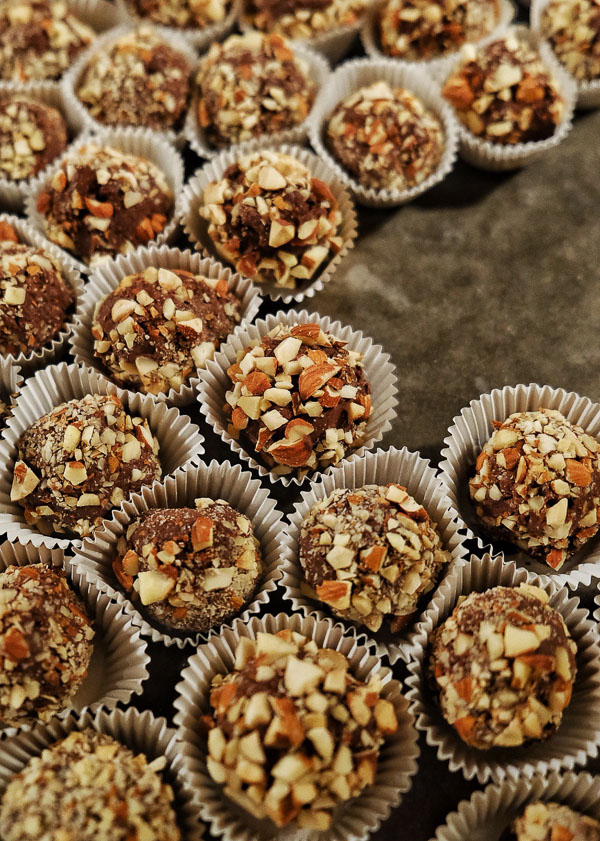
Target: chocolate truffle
503, 665
80, 461
45, 643
102, 202
190, 568
300, 400
418, 30
35, 298
553, 822
292, 733
304, 18
537, 485
183, 14
251, 85
504, 93
573, 29
39, 39
89, 787
385, 138
138, 80
370, 554
32, 135
272, 220
157, 327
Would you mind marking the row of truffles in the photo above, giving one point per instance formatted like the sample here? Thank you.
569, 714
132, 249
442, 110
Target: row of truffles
180, 14
32, 135
307, 19
573, 29
292, 733
548, 821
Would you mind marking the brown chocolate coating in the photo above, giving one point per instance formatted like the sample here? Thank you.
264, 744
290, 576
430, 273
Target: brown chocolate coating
547, 821
573, 29
32, 135
183, 14
303, 18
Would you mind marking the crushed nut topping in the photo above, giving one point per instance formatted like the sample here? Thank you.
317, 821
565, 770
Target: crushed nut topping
32, 135
573, 29
553, 822
182, 14
304, 18
292, 733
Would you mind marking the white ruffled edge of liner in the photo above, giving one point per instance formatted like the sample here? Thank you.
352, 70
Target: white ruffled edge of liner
200, 39
11, 381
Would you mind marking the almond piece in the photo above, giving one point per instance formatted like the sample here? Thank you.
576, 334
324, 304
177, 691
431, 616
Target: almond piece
291, 453
314, 378
154, 586
577, 473
335, 593
202, 534
24, 481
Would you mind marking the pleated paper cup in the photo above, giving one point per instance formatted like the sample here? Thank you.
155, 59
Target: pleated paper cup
347, 80
214, 480
473, 428
378, 367
198, 37
179, 440
107, 277
355, 819
11, 381
578, 736
141, 732
196, 228
378, 468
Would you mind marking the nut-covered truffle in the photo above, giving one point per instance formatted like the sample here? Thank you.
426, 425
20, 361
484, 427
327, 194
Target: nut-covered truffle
45, 643
34, 298
89, 787
157, 327
190, 568
300, 399
292, 733
102, 202
39, 39
537, 484
32, 135
504, 93
138, 80
503, 665
272, 220
370, 554
385, 138
553, 822
183, 14
573, 29
306, 18
80, 461
251, 85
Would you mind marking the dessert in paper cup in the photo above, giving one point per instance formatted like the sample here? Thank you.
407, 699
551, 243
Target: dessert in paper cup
289, 432
519, 721
186, 501
229, 298
11, 381
45, 444
381, 482
291, 648
213, 18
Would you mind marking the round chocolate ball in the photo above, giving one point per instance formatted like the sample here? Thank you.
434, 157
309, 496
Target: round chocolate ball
183, 14
32, 135
573, 29
548, 821
305, 19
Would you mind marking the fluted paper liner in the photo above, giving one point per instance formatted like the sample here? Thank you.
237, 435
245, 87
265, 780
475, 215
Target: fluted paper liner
196, 228
217, 481
378, 368
11, 381
472, 429
377, 468
355, 819
578, 736
107, 277
348, 79
179, 440
199, 38
141, 732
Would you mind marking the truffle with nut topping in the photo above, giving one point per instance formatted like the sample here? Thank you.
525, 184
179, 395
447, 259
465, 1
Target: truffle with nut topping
191, 569
32, 135
385, 138
292, 733
39, 39
503, 667
89, 786
504, 93
45, 643
271, 219
35, 298
548, 821
537, 485
573, 29
138, 80
370, 554
158, 326
102, 202
80, 461
300, 400
251, 85
182, 14
304, 19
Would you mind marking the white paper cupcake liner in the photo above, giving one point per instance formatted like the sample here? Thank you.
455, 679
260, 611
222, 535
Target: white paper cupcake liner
578, 736
141, 732
106, 278
142, 142
472, 429
355, 819
333, 43
348, 79
378, 368
196, 228
180, 440
214, 480
11, 381
378, 468
200, 39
